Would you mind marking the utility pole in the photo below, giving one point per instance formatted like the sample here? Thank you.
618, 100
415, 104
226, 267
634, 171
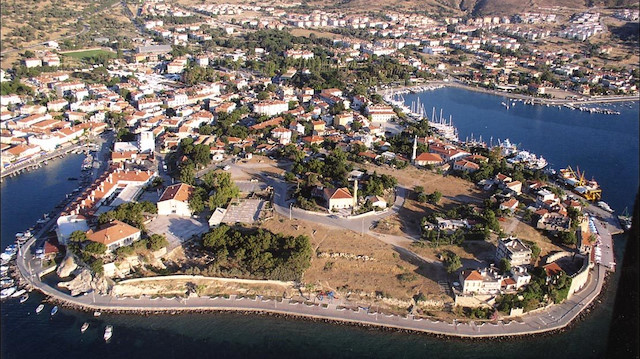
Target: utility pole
290, 209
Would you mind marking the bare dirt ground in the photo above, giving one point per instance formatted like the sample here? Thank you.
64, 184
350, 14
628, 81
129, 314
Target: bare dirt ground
361, 280
455, 192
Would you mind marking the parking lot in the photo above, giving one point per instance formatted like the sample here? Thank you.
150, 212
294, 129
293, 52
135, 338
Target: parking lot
177, 229
246, 211
249, 186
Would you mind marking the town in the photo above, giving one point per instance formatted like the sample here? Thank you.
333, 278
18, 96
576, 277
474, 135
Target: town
244, 151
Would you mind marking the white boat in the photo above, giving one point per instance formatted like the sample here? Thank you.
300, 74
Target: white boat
96, 314
108, 332
84, 327
18, 293
5, 293
605, 206
39, 308
6, 282
54, 310
24, 298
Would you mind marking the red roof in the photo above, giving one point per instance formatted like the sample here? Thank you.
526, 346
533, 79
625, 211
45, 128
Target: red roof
179, 191
552, 269
471, 275
428, 157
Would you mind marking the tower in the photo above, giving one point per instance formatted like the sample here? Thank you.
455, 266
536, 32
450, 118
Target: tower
355, 193
415, 149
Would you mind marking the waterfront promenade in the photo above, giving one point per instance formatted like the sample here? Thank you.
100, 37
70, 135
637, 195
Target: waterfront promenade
35, 162
579, 100
552, 318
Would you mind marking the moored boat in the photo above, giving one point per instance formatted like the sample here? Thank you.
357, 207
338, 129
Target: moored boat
5, 293
54, 310
84, 327
18, 293
24, 298
39, 308
108, 332
96, 313
605, 206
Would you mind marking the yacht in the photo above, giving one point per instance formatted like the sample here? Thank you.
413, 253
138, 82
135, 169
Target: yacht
605, 206
39, 308
84, 327
7, 292
108, 332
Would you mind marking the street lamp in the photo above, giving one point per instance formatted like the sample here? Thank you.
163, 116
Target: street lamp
290, 209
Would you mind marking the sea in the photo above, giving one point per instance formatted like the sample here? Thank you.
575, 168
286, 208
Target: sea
603, 145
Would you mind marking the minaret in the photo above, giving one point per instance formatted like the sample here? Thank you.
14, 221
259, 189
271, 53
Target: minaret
415, 149
355, 193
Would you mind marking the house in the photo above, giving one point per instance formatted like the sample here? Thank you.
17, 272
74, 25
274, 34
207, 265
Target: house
216, 217
482, 281
270, 108
510, 205
520, 276
515, 187
338, 198
465, 166
114, 235
427, 158
448, 225
175, 200
377, 201
514, 250
380, 113
282, 135
552, 270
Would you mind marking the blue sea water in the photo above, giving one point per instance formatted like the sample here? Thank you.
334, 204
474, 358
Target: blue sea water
27, 335
604, 147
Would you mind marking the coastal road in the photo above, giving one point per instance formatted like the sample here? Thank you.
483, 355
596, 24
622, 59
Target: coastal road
536, 100
554, 317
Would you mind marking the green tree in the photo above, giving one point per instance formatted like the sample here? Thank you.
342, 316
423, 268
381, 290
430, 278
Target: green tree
504, 265
96, 248
97, 266
452, 262
78, 236
157, 241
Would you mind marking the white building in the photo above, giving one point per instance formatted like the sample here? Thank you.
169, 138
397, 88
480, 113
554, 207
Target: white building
147, 143
270, 108
175, 200
514, 250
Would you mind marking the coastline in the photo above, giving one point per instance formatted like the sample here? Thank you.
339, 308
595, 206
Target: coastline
527, 98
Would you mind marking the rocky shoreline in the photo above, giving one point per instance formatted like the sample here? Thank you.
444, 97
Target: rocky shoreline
372, 327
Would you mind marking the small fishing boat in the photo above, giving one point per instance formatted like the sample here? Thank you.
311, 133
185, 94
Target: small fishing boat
84, 327
18, 293
39, 308
96, 314
54, 310
108, 332
24, 298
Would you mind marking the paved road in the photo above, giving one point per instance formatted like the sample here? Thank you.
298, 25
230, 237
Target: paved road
554, 317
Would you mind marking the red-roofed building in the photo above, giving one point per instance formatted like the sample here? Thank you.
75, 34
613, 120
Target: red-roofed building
114, 235
338, 198
427, 158
175, 200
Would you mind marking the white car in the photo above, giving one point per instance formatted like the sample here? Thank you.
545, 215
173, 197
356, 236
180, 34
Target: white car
226, 168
